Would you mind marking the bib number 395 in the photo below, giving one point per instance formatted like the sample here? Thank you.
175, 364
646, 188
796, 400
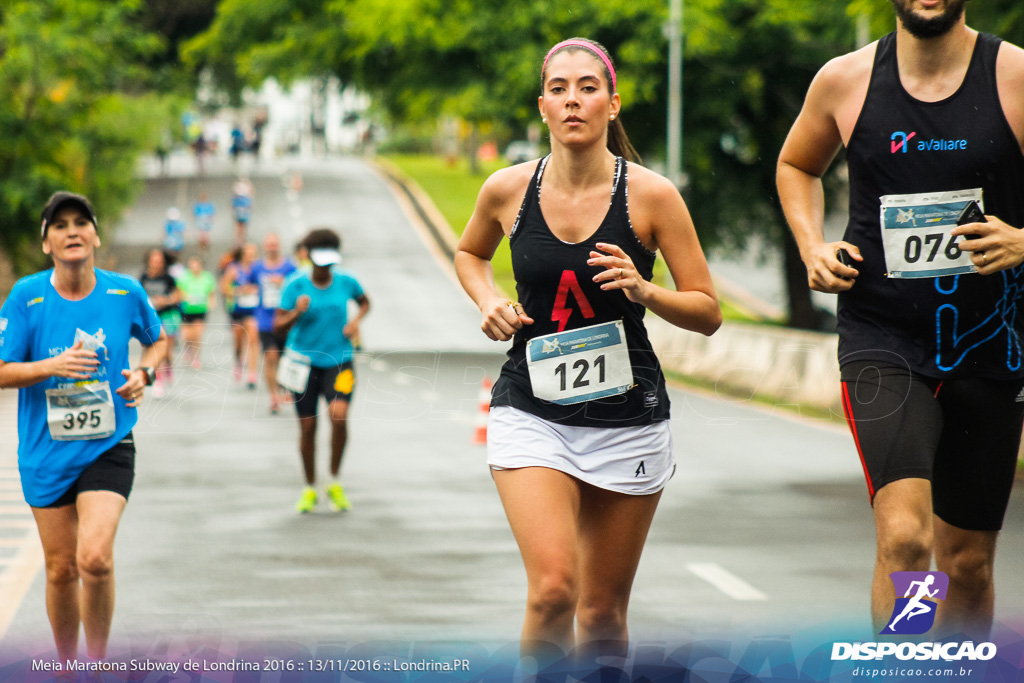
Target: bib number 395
80, 412
580, 365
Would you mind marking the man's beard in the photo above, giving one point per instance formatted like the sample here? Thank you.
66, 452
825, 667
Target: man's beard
933, 27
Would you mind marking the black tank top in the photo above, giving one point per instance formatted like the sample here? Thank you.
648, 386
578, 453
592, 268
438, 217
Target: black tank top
555, 286
955, 325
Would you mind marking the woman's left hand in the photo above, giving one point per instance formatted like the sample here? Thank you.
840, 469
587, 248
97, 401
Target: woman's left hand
131, 390
619, 273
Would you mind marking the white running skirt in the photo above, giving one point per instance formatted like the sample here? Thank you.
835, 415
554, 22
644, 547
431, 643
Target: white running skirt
633, 460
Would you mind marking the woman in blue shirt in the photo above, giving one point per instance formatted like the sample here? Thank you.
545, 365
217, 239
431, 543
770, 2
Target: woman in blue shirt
318, 356
64, 337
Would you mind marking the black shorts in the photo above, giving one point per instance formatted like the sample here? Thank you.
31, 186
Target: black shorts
963, 435
334, 384
189, 318
240, 314
113, 471
271, 342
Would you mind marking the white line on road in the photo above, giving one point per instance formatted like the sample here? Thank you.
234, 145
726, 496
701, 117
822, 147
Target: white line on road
725, 581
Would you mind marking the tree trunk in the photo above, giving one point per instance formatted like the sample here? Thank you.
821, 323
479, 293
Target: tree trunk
473, 143
802, 313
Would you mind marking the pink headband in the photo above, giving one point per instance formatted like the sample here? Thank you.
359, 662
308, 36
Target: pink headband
582, 43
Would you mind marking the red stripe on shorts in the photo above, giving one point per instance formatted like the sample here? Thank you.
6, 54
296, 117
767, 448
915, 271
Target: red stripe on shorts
848, 411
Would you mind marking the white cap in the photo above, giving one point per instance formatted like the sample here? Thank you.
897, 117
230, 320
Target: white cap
325, 257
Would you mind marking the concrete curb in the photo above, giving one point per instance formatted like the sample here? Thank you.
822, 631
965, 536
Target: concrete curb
787, 366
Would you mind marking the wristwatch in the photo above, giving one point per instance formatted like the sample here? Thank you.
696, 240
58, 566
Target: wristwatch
150, 374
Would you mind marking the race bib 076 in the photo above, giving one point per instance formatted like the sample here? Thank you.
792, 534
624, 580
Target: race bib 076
580, 365
915, 233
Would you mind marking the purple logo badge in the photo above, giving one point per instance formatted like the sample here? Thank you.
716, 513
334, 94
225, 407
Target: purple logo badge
916, 595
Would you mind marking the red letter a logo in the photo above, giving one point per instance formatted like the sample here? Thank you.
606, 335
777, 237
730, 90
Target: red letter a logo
559, 313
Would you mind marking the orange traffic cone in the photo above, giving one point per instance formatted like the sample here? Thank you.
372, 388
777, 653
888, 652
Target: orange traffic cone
483, 408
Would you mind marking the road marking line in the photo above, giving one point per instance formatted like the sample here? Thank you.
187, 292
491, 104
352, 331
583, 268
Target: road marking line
16, 581
725, 581
19, 524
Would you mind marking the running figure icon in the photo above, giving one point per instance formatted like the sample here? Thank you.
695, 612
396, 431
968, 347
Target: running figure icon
920, 593
917, 605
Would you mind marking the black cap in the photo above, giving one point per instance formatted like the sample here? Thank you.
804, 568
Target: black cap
61, 198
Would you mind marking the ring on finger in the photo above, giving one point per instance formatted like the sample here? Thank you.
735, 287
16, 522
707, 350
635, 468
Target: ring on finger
984, 258
620, 274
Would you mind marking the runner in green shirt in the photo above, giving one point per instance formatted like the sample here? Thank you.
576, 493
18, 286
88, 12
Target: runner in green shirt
197, 288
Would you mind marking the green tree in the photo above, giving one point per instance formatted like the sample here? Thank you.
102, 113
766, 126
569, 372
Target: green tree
75, 112
748, 64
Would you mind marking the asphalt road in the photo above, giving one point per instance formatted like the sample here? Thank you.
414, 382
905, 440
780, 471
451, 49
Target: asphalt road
765, 528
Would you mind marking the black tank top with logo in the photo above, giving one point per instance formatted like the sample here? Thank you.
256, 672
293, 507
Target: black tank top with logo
942, 326
555, 285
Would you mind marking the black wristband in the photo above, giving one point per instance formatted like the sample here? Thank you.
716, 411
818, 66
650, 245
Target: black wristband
150, 374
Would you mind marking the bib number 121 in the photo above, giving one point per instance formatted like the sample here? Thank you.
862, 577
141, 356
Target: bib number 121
583, 367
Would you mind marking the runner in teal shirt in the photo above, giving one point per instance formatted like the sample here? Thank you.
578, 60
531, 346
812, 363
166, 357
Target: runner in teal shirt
318, 355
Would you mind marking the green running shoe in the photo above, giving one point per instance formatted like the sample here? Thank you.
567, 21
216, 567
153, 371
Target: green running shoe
336, 495
307, 501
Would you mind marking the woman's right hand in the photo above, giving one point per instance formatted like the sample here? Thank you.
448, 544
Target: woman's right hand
74, 363
502, 318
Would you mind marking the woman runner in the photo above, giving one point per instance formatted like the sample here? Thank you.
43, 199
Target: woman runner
578, 439
64, 337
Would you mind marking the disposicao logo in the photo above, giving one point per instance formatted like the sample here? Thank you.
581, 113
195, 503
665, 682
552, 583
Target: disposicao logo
914, 612
917, 594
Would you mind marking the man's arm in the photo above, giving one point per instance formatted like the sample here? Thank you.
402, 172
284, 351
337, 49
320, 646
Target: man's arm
826, 120
999, 246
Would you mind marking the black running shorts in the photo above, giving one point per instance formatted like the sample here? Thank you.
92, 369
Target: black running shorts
961, 434
334, 384
113, 471
271, 342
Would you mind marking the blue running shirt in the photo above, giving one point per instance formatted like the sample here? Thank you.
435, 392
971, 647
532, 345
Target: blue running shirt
271, 282
318, 332
37, 323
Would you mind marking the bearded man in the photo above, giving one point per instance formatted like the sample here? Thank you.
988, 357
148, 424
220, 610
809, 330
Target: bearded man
929, 279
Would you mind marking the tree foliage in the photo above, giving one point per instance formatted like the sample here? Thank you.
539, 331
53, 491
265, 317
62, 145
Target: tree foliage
75, 113
747, 67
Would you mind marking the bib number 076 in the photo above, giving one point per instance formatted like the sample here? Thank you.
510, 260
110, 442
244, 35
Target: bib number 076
583, 367
915, 247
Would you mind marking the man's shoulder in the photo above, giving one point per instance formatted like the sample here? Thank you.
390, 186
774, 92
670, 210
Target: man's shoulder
1010, 62
848, 71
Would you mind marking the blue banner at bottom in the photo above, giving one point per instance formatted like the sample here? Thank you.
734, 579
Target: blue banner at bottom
780, 658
